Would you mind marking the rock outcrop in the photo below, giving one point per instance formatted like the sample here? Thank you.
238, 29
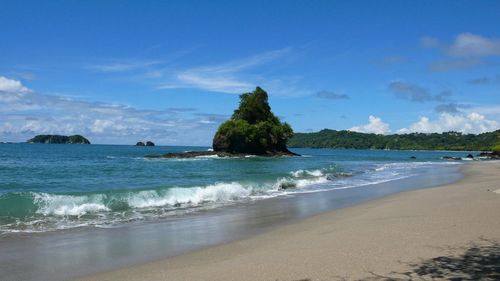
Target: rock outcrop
490, 154
150, 143
194, 154
140, 143
253, 129
451, 158
75, 139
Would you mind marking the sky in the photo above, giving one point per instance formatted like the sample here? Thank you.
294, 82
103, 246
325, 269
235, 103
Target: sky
119, 72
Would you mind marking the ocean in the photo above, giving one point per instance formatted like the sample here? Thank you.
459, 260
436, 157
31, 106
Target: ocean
52, 187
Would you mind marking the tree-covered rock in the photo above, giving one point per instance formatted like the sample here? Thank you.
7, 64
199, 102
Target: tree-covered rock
75, 139
253, 128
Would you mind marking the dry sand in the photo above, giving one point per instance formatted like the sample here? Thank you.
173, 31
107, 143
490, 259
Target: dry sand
371, 241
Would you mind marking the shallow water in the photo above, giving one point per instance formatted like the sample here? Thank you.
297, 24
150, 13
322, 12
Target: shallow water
53, 187
67, 211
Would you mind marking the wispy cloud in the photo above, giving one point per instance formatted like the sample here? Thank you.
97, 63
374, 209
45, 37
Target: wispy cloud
181, 109
122, 66
485, 80
451, 107
331, 95
209, 82
456, 64
466, 51
465, 45
232, 77
24, 113
393, 60
416, 93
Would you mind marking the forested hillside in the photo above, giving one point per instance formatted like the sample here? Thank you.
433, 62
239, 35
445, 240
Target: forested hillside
414, 141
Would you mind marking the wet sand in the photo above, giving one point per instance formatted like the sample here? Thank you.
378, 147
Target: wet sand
73, 253
388, 237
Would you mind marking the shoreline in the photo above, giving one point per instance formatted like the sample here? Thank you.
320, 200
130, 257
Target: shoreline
77, 252
377, 238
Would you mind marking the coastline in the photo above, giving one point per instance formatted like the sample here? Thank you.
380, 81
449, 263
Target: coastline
383, 237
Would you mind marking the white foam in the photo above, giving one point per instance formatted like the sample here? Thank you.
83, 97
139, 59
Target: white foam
68, 205
302, 173
68, 211
208, 156
219, 192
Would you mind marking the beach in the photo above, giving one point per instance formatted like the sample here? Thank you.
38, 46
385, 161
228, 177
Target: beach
388, 237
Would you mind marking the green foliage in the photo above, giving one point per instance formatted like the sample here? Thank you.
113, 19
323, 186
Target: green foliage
76, 139
496, 148
415, 141
253, 128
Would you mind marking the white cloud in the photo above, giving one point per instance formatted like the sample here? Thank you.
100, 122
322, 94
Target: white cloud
11, 86
375, 126
466, 45
25, 113
466, 123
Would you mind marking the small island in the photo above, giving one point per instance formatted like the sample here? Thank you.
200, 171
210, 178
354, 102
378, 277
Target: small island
148, 143
252, 130
75, 139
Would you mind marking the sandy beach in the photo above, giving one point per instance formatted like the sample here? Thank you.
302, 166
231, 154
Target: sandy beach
447, 231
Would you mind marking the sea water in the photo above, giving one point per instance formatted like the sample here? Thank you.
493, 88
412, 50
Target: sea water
50, 187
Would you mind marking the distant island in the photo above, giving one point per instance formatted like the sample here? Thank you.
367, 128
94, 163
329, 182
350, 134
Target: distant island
148, 143
415, 141
253, 129
75, 139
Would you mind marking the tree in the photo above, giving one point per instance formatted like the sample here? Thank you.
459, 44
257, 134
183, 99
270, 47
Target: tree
253, 128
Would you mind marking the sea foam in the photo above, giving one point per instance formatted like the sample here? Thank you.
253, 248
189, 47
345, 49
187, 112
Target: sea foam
49, 211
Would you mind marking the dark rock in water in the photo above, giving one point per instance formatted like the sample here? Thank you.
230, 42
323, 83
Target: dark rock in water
193, 154
413, 157
287, 185
187, 154
75, 139
253, 129
450, 158
469, 156
490, 154
150, 143
140, 143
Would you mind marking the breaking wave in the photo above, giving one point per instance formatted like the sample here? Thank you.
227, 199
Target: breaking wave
39, 211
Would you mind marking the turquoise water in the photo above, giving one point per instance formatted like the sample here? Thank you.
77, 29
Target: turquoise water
51, 187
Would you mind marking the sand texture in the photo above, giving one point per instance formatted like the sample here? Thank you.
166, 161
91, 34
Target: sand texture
442, 232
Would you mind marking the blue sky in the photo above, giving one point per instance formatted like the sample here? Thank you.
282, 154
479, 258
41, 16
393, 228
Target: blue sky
171, 71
